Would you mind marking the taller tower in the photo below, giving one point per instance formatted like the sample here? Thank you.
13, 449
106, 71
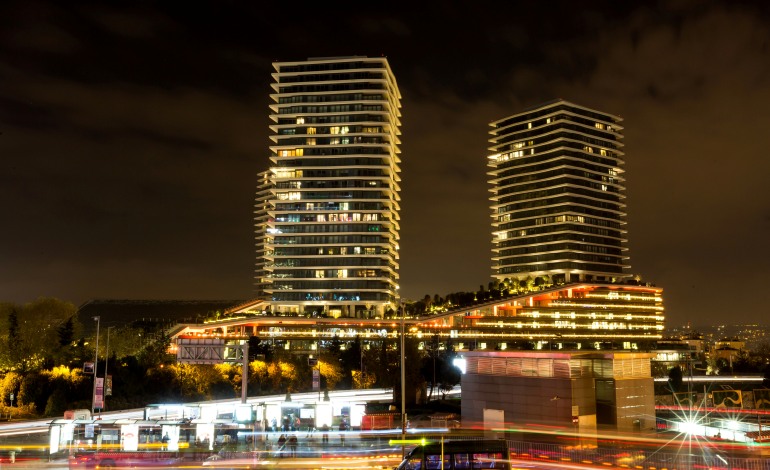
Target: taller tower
331, 247
558, 195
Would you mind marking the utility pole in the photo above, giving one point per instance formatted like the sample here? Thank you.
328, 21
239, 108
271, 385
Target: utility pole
403, 378
96, 364
244, 371
106, 363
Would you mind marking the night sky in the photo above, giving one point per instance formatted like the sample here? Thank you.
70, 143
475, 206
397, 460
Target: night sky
131, 137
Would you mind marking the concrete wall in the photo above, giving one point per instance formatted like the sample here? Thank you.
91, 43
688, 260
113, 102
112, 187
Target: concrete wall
551, 400
635, 400
523, 399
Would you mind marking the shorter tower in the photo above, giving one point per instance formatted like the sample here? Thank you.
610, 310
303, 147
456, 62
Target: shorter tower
558, 193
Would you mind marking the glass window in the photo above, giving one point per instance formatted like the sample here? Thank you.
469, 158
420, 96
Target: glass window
415, 463
462, 462
433, 462
490, 460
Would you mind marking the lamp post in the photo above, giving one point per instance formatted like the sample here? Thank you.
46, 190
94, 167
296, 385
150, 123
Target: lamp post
403, 378
106, 363
96, 363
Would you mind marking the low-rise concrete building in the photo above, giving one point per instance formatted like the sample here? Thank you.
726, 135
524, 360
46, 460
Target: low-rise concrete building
579, 388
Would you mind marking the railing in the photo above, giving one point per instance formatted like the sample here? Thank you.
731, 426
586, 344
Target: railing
696, 457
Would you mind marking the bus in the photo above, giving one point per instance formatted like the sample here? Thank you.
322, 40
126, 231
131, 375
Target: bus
459, 454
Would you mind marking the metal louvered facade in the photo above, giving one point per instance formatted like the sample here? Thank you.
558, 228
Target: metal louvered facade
558, 195
576, 389
333, 219
261, 206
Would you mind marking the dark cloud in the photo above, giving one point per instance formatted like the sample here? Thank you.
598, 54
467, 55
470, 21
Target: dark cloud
132, 136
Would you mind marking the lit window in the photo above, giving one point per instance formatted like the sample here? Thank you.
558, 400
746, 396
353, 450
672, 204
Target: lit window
342, 273
311, 141
599, 125
291, 153
529, 125
320, 273
300, 120
311, 130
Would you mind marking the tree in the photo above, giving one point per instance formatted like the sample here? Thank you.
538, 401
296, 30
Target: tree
363, 380
65, 351
156, 352
259, 348
351, 359
529, 283
414, 380
429, 364
675, 379
32, 339
448, 375
331, 372
15, 346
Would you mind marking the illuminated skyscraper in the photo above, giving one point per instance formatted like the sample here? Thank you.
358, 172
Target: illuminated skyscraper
261, 208
332, 226
558, 195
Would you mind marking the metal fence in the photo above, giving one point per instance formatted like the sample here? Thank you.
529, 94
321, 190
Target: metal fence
691, 458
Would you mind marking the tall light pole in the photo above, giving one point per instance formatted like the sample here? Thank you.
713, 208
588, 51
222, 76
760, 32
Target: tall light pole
96, 363
403, 377
106, 363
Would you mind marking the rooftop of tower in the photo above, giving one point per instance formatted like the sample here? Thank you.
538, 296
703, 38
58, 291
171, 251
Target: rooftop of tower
552, 104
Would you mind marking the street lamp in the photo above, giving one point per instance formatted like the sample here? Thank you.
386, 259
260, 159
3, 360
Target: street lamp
403, 377
106, 363
96, 363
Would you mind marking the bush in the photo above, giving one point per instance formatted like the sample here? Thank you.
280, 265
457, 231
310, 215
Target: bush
57, 403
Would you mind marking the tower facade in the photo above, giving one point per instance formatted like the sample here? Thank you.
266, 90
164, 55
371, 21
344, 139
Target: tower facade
558, 193
261, 208
332, 227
